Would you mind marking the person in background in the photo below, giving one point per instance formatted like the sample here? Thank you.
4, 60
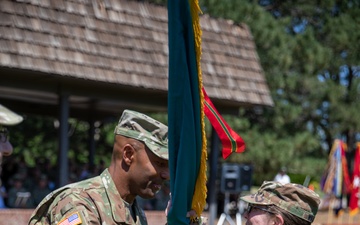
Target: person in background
282, 176
281, 204
7, 118
19, 196
138, 167
3, 195
41, 190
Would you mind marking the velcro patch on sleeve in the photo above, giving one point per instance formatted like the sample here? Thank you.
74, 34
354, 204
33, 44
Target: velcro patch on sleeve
72, 219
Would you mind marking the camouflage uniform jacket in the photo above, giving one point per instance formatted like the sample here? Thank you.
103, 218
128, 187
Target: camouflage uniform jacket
92, 201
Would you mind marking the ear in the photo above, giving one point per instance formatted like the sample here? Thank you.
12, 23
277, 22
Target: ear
128, 155
278, 220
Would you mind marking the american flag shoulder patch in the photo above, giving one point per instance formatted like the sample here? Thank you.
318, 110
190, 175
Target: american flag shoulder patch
72, 219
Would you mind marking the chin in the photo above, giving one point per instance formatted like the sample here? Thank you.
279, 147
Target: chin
147, 195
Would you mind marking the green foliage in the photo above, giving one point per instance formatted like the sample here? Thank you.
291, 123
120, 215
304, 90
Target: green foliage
37, 137
308, 51
297, 178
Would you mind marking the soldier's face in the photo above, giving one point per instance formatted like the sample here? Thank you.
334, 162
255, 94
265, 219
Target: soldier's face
151, 173
5, 146
257, 216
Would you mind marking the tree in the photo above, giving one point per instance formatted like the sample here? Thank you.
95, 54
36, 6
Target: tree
308, 51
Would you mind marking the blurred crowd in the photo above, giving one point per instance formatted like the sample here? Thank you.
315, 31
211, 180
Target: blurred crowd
24, 187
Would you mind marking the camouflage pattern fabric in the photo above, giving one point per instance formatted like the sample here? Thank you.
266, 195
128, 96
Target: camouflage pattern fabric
92, 201
144, 128
294, 198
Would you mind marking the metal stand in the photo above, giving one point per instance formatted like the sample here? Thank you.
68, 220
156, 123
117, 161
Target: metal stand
225, 215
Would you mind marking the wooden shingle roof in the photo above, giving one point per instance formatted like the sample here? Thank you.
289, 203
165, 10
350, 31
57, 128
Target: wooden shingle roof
125, 42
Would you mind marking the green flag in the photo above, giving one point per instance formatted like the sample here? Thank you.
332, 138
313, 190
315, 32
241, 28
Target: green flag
185, 113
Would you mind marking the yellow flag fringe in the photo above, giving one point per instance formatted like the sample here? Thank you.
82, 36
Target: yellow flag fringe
200, 192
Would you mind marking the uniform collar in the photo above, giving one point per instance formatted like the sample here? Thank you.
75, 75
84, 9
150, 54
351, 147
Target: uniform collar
120, 212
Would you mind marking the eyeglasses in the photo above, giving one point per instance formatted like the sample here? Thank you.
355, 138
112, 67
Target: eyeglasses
4, 135
251, 206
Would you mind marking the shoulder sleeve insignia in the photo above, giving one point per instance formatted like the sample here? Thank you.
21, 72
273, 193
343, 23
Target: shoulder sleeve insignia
72, 219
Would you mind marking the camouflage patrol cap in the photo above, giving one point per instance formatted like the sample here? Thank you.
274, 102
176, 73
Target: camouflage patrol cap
293, 198
8, 117
146, 129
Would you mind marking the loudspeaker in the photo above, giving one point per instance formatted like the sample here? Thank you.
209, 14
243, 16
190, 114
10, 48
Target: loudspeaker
230, 181
245, 177
235, 178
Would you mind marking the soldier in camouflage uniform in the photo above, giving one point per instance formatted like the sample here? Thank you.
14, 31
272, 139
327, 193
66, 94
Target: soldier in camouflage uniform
281, 204
7, 118
139, 166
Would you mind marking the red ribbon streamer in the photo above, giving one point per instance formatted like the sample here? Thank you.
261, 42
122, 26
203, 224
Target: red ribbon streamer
231, 141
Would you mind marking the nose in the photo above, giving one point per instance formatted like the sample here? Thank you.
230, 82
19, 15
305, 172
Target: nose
5, 148
246, 215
